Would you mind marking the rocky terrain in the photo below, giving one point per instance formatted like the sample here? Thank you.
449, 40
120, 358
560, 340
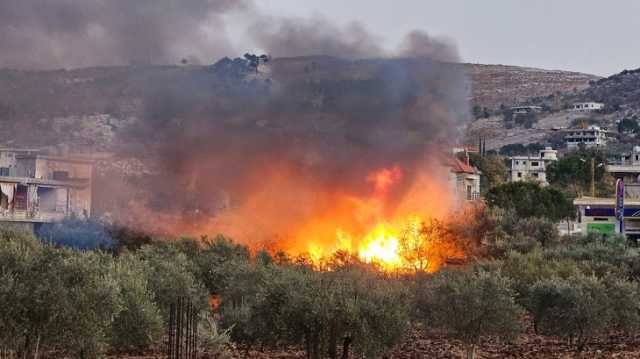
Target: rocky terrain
495, 85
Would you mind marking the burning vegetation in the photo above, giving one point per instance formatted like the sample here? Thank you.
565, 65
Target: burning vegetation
311, 156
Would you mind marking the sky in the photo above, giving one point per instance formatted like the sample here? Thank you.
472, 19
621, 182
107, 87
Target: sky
591, 36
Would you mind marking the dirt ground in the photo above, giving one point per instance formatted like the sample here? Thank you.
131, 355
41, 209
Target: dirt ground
420, 345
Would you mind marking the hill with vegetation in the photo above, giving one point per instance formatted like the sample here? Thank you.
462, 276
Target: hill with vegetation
86, 107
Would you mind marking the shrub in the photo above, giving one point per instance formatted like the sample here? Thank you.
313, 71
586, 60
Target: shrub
55, 298
322, 311
576, 308
139, 324
170, 275
469, 306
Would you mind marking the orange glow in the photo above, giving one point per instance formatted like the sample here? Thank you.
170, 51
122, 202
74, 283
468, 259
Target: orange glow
388, 217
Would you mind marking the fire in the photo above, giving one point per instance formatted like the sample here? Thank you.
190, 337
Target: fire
381, 246
401, 239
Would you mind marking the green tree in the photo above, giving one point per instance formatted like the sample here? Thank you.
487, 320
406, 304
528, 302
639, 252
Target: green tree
139, 324
628, 125
349, 310
576, 308
493, 168
573, 173
528, 200
469, 306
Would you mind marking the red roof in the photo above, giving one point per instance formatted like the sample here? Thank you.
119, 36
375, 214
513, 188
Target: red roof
458, 166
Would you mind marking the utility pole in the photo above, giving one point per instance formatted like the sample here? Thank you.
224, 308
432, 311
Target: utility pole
593, 176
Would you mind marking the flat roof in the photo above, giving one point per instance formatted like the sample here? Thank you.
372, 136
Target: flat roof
604, 201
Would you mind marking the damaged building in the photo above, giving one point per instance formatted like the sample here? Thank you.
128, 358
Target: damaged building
40, 188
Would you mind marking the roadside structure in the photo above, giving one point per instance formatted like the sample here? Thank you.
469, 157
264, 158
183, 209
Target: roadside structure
532, 167
598, 214
590, 137
38, 188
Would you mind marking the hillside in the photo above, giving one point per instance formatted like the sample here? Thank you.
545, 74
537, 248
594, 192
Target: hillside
86, 106
495, 85
620, 93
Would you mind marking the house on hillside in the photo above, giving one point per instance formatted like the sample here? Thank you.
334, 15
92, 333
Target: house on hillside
587, 106
533, 167
37, 188
464, 179
590, 137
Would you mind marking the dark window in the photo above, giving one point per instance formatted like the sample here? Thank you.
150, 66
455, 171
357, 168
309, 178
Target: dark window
4, 171
60, 175
519, 174
534, 164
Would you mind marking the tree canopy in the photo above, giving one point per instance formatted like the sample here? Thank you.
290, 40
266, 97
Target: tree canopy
529, 200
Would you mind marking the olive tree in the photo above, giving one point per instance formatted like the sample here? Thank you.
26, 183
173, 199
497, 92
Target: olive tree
576, 308
469, 306
349, 310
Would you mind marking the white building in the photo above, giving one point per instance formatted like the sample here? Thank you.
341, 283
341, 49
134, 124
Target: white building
592, 136
532, 168
587, 106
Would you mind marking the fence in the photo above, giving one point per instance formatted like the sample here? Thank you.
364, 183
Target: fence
182, 332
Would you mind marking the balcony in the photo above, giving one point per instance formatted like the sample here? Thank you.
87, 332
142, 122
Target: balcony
17, 215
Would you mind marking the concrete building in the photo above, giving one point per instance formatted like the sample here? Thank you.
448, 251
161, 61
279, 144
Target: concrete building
464, 179
39, 188
587, 106
627, 167
590, 137
532, 168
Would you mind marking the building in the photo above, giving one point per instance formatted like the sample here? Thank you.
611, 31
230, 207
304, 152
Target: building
627, 168
598, 215
589, 137
38, 188
532, 168
587, 106
522, 110
464, 179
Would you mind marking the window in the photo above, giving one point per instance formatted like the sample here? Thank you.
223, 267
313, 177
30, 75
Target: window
519, 174
534, 164
535, 175
517, 162
542, 154
4, 171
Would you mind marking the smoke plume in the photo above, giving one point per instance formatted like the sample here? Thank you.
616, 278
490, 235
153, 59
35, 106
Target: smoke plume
290, 151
